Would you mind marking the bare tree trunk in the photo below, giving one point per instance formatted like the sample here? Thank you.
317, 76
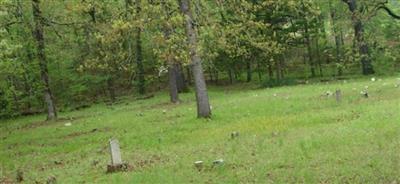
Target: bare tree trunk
230, 76
189, 75
210, 74
173, 86
270, 71
259, 71
180, 79
111, 89
216, 77
282, 67
278, 69
203, 106
38, 34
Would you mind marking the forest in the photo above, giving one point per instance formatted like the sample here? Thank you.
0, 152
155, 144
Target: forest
63, 55
119, 66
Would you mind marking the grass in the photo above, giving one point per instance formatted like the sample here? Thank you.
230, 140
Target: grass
290, 134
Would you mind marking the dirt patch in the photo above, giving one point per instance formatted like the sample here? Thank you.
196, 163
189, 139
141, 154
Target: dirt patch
95, 130
146, 163
6, 181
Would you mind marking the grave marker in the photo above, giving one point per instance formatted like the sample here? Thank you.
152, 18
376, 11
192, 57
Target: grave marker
116, 160
234, 135
115, 152
338, 95
199, 165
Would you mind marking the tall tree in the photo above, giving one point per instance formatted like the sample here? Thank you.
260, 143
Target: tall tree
337, 33
138, 49
173, 67
38, 34
203, 106
363, 47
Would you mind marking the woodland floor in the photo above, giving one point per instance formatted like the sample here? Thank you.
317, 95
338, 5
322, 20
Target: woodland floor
293, 134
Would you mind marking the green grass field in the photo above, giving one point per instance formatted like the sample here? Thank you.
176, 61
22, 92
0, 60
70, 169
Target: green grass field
291, 134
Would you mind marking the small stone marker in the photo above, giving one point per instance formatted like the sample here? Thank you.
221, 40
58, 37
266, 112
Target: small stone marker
338, 95
364, 93
234, 135
218, 162
116, 160
20, 176
328, 93
199, 165
51, 180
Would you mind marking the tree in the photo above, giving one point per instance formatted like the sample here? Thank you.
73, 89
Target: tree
203, 106
173, 66
359, 12
38, 34
337, 33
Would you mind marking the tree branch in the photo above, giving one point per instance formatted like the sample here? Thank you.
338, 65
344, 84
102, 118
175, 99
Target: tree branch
10, 23
390, 12
48, 22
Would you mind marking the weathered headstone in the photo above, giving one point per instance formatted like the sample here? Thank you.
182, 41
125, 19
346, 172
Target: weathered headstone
115, 152
218, 162
365, 94
338, 95
116, 159
51, 180
20, 176
198, 165
234, 135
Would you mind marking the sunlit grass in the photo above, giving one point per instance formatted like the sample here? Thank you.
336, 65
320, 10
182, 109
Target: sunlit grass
287, 135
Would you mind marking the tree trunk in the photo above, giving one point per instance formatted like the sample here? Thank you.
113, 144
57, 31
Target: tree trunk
210, 74
338, 42
138, 49
259, 71
230, 76
282, 66
173, 67
363, 47
129, 41
111, 89
216, 77
38, 34
173, 85
203, 106
180, 79
309, 50
249, 72
270, 71
318, 56
278, 70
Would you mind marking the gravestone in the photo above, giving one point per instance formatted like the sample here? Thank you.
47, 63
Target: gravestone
51, 180
338, 95
116, 159
234, 135
115, 152
365, 94
20, 176
199, 165
218, 162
